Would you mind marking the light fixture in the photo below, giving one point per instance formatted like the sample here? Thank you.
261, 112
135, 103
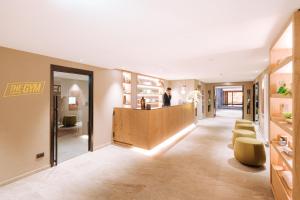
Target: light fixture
183, 88
75, 88
72, 100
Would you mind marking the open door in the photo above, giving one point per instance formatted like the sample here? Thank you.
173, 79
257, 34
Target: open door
71, 113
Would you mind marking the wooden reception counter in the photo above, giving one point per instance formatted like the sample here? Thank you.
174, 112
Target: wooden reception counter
148, 128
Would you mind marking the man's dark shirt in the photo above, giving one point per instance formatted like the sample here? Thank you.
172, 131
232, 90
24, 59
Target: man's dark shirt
166, 99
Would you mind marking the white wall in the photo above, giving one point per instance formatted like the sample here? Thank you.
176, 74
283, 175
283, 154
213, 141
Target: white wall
107, 96
25, 120
81, 92
177, 96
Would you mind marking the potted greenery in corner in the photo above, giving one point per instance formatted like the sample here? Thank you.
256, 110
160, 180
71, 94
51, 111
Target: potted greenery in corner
283, 90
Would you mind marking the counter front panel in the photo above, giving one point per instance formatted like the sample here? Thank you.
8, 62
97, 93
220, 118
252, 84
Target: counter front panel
148, 128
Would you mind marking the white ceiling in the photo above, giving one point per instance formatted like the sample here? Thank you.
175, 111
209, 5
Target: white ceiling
214, 41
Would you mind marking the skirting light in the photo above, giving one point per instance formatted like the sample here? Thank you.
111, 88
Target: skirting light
167, 143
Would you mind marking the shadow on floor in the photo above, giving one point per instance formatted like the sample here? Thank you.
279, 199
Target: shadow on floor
234, 163
230, 146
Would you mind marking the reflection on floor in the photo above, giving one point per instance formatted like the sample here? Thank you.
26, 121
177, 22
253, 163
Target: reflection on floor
70, 146
201, 166
230, 113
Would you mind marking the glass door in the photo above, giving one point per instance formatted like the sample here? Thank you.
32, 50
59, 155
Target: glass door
72, 112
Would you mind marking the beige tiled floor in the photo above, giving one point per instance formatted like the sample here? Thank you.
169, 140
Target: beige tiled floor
229, 113
201, 166
70, 146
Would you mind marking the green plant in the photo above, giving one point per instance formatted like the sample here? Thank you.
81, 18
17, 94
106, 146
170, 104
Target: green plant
283, 89
287, 115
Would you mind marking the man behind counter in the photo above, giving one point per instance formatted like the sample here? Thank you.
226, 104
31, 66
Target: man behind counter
167, 97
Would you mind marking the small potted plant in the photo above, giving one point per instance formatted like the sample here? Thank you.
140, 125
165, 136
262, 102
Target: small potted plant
283, 90
288, 117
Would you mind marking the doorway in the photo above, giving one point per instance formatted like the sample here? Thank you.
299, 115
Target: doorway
229, 101
256, 102
71, 113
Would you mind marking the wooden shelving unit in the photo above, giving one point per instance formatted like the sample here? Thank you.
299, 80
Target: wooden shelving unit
280, 189
285, 70
151, 89
126, 76
281, 123
281, 63
285, 158
280, 96
135, 86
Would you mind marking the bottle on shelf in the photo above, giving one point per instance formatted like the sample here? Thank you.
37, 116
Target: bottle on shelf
143, 103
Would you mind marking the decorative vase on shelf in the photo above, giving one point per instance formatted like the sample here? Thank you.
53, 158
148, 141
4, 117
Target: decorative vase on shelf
143, 103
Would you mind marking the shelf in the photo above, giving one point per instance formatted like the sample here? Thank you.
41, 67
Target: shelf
281, 123
283, 191
280, 96
150, 103
282, 64
143, 77
148, 86
150, 95
126, 89
286, 159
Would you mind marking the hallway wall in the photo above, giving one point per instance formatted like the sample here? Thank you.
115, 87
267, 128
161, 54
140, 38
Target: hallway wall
25, 120
263, 110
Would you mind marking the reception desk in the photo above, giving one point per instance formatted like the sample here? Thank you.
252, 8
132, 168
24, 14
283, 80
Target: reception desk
148, 128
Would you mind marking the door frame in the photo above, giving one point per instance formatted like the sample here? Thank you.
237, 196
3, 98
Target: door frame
243, 101
254, 100
253, 103
57, 68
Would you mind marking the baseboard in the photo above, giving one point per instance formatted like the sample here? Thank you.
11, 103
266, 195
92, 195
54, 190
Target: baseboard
14, 179
102, 146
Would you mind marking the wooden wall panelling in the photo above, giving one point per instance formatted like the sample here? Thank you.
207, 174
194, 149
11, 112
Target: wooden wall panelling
296, 106
276, 58
133, 90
